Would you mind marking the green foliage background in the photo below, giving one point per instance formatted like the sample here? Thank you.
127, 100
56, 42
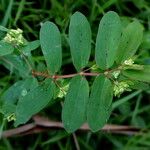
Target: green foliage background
131, 109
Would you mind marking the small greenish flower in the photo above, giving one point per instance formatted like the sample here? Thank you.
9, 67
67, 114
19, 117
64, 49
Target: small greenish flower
63, 91
120, 87
15, 37
116, 74
11, 117
128, 62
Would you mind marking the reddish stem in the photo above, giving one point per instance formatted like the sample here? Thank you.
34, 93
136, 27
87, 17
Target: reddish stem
34, 73
91, 74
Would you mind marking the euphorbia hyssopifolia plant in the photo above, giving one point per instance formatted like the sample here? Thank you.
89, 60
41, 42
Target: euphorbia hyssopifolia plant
114, 71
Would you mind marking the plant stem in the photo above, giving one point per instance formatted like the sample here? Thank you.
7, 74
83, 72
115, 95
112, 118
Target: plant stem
34, 73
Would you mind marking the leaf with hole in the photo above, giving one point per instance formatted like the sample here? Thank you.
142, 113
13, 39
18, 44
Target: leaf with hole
79, 40
34, 101
11, 96
13, 93
74, 109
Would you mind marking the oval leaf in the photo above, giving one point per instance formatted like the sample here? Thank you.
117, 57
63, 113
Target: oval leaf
50, 40
130, 40
107, 40
99, 106
5, 48
34, 101
74, 109
80, 40
139, 75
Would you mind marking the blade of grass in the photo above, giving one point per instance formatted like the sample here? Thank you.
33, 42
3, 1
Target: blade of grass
19, 11
56, 138
125, 99
136, 108
7, 144
7, 13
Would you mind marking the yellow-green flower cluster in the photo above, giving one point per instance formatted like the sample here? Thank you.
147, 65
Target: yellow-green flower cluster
120, 87
15, 37
63, 91
116, 74
128, 62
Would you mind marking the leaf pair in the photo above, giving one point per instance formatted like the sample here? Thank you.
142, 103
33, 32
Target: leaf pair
79, 108
111, 46
79, 40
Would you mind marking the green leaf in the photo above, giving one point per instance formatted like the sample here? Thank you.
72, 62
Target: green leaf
146, 40
8, 109
50, 40
16, 64
13, 93
5, 48
74, 109
11, 96
138, 85
59, 136
99, 106
125, 99
34, 101
30, 46
130, 41
107, 40
140, 75
79, 40
3, 29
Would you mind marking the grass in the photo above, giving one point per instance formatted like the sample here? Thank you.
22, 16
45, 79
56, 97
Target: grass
131, 109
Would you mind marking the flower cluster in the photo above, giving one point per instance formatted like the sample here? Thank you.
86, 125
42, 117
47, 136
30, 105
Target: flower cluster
63, 91
15, 37
120, 87
116, 74
129, 64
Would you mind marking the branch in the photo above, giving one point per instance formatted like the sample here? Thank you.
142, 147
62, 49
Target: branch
42, 124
